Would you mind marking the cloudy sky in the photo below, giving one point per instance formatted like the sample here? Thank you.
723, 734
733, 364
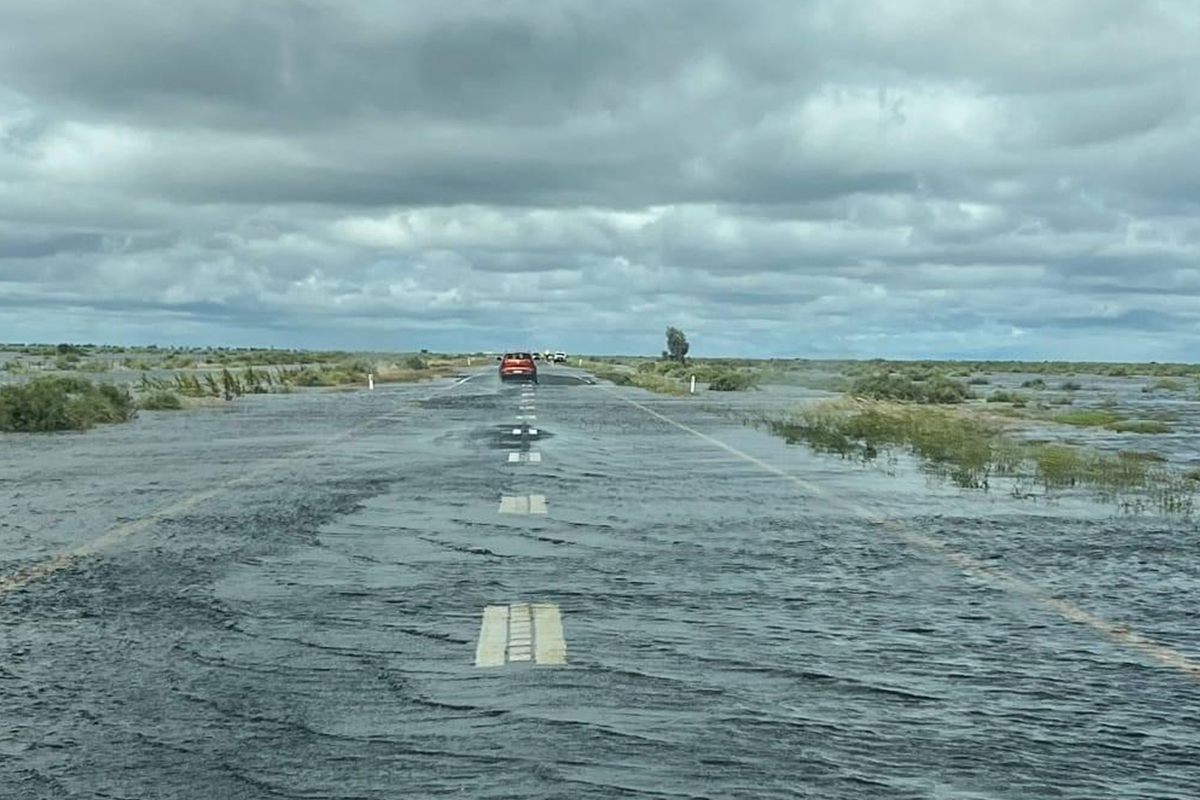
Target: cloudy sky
904, 179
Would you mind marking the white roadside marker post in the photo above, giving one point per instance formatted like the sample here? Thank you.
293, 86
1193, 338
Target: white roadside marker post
371, 381
693, 384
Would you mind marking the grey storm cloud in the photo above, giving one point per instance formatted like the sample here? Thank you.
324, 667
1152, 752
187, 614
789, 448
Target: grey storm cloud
778, 178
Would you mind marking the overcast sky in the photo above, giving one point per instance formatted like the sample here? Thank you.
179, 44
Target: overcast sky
900, 179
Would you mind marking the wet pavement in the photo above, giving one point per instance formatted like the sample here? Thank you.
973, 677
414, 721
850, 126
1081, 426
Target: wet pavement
309, 625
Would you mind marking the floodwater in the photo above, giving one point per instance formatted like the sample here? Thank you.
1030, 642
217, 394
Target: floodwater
307, 627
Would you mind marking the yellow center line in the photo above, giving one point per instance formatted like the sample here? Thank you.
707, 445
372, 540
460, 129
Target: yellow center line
1120, 634
41, 569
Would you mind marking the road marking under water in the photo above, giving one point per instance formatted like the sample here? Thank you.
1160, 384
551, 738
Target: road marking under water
533, 431
551, 647
1014, 584
520, 633
533, 458
24, 576
523, 504
517, 431
527, 416
493, 637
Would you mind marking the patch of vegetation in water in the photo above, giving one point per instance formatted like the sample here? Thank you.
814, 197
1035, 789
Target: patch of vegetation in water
1140, 426
928, 389
1166, 385
649, 380
60, 403
161, 401
1088, 417
1005, 396
973, 452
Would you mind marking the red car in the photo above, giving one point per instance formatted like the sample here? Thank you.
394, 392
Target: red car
518, 367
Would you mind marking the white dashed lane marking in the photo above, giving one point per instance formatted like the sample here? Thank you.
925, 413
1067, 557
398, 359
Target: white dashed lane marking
520, 633
523, 504
493, 637
551, 647
532, 458
527, 416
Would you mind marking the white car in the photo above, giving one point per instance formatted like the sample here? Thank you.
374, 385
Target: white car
560, 357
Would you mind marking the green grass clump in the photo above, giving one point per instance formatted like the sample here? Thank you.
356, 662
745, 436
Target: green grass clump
161, 401
62, 404
933, 390
1088, 417
1003, 396
1036, 383
1140, 426
978, 380
1070, 386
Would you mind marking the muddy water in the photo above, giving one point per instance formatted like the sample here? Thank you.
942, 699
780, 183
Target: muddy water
310, 631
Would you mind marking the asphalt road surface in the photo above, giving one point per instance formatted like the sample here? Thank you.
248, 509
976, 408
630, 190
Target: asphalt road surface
476, 590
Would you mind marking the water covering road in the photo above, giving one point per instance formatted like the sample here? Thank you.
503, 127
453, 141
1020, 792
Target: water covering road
307, 627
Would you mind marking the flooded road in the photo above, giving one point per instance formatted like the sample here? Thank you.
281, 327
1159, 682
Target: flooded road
358, 595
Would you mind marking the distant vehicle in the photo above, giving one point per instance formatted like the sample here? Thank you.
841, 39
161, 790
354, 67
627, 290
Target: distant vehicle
537, 356
518, 366
560, 357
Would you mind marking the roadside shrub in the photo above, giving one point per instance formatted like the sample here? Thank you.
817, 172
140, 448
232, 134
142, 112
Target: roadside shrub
1070, 386
978, 380
161, 401
415, 362
1036, 383
62, 404
732, 381
937, 390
